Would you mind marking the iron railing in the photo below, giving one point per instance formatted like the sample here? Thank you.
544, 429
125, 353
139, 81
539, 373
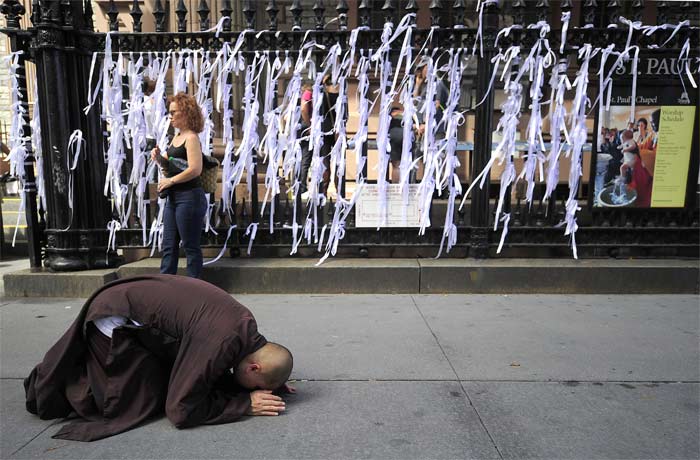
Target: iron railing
62, 40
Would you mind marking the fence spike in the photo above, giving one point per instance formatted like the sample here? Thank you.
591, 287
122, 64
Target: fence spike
342, 10
296, 10
272, 11
87, 15
435, 12
318, 10
389, 8
12, 10
203, 11
412, 8
181, 12
249, 13
159, 14
613, 11
589, 11
542, 10
518, 7
136, 14
364, 8
113, 13
458, 7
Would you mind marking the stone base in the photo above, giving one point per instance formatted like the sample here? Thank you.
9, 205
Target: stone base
43, 283
388, 276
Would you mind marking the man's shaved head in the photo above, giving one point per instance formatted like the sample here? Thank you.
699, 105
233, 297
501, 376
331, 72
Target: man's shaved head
279, 361
268, 368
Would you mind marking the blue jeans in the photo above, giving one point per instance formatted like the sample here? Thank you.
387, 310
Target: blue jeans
183, 219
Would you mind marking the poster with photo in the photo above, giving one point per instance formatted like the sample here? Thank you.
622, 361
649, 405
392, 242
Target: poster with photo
644, 162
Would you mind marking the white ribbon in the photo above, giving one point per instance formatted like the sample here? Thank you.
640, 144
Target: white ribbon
565, 18
223, 249
16, 138
75, 143
113, 226
578, 137
506, 220
559, 83
35, 125
252, 230
684, 60
480, 5
650, 30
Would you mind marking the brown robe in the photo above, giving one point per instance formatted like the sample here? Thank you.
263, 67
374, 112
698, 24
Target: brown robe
192, 333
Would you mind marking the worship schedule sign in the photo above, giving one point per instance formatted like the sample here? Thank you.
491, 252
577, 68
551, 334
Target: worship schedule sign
644, 161
399, 214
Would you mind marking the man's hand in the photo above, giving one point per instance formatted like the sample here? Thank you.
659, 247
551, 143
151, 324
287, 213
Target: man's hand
263, 402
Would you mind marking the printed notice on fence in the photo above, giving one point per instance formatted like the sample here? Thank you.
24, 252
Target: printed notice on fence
672, 156
399, 213
643, 156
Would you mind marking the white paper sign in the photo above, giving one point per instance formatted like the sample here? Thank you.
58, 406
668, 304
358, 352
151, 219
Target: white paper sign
367, 207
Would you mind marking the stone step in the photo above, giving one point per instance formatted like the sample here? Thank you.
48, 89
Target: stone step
387, 276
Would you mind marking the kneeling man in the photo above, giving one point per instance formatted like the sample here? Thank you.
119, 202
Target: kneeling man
146, 344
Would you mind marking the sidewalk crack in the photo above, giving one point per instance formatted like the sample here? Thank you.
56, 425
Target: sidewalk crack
461, 385
36, 436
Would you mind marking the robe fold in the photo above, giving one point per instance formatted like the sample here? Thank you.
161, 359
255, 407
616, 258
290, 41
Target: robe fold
179, 359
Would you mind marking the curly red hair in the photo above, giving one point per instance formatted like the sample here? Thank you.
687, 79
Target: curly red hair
192, 112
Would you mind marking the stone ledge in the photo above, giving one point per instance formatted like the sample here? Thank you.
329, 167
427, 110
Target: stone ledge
29, 283
387, 276
560, 276
301, 276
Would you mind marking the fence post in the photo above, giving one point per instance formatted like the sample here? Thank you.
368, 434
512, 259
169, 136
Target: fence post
75, 240
12, 11
480, 209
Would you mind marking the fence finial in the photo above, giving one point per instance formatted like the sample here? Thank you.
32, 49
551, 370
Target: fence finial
159, 14
342, 10
203, 11
12, 10
296, 10
364, 8
226, 11
136, 15
318, 9
87, 14
388, 8
542, 10
113, 13
458, 7
249, 12
272, 11
181, 12
589, 10
435, 12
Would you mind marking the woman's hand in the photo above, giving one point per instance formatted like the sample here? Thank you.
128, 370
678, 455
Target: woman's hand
164, 183
263, 402
155, 153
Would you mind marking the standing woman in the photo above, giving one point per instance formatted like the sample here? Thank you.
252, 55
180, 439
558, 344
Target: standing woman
186, 204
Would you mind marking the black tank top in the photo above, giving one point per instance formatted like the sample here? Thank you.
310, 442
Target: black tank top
181, 152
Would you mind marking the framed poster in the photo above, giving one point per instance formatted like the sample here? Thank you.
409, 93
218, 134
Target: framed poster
643, 158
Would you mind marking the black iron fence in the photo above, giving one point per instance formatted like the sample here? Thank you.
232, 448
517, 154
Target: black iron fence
62, 40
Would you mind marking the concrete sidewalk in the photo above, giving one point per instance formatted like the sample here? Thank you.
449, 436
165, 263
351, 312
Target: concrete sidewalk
422, 376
